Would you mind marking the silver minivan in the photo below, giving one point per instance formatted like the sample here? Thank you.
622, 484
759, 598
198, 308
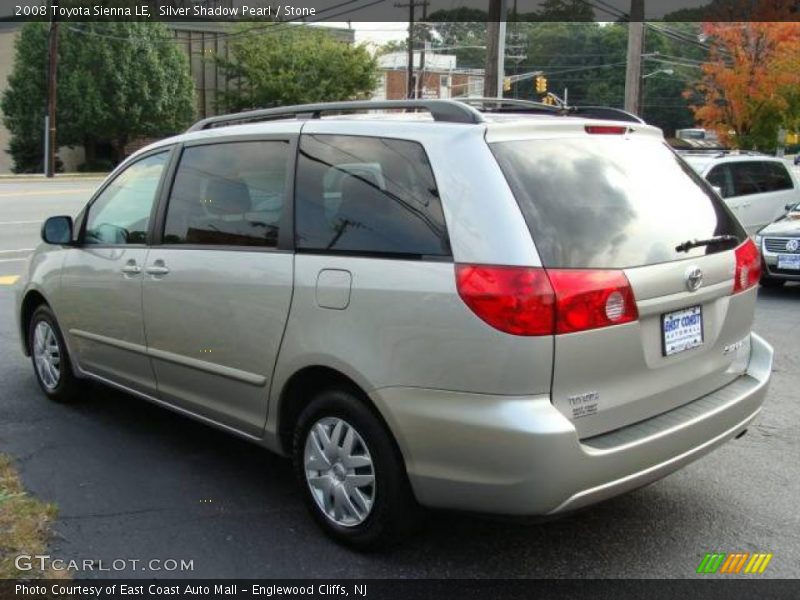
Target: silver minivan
514, 313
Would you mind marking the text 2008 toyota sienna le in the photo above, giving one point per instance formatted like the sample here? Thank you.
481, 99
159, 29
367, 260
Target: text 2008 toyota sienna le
517, 314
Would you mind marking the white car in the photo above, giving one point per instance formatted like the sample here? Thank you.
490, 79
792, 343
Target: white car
756, 187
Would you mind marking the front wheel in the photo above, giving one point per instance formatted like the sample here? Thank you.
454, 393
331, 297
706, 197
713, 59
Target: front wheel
49, 356
353, 477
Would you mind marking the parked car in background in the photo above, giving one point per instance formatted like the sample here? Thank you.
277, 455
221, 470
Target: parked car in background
757, 187
418, 310
779, 243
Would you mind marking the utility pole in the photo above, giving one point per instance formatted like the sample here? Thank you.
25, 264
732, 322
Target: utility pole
421, 76
410, 87
495, 49
633, 71
52, 92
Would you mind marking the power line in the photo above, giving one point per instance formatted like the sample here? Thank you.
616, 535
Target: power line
271, 27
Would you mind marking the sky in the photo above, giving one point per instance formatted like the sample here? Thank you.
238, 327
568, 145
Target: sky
374, 33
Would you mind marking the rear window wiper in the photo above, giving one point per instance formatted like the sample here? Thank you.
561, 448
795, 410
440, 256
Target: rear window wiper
717, 239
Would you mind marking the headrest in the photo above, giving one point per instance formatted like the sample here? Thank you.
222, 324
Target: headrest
227, 197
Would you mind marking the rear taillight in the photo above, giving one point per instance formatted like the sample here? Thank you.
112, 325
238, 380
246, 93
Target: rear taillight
517, 300
748, 267
590, 299
531, 301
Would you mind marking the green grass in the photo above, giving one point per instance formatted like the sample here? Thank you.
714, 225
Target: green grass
24, 524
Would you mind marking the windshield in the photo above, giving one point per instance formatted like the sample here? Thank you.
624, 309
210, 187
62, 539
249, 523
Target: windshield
611, 201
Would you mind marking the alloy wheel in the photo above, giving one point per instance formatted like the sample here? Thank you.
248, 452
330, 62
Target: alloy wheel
47, 355
339, 471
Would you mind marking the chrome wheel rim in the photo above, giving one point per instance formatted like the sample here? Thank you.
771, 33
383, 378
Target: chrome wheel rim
47, 355
339, 471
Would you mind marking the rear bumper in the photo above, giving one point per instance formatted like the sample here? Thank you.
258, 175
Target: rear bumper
521, 456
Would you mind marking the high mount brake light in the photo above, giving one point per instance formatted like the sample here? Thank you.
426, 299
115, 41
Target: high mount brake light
605, 129
531, 301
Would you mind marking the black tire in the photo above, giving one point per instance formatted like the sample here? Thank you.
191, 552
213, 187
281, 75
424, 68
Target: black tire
768, 282
67, 387
394, 512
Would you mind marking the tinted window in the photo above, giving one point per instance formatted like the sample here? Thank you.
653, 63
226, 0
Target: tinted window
229, 194
778, 177
720, 176
610, 202
121, 214
749, 178
367, 195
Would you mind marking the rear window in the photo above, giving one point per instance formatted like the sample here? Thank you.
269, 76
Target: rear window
611, 202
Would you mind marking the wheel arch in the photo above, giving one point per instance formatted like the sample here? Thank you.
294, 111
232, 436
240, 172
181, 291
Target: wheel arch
31, 301
301, 387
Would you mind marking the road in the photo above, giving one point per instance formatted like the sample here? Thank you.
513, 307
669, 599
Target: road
24, 205
134, 481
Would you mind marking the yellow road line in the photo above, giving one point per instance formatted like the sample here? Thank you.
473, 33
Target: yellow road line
46, 193
9, 279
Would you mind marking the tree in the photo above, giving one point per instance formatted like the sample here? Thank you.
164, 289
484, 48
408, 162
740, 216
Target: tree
565, 10
749, 84
294, 65
117, 81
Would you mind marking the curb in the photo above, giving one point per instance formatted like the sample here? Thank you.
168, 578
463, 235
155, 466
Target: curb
21, 178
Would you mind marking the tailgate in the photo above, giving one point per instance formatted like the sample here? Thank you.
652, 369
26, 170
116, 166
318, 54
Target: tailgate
612, 377
612, 203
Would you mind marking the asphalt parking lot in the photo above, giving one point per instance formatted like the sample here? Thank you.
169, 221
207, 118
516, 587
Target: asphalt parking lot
133, 481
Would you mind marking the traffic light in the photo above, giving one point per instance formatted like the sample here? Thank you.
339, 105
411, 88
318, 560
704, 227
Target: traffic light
506, 84
541, 85
549, 100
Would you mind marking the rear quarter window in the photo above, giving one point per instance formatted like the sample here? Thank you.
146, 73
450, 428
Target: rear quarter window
611, 201
365, 195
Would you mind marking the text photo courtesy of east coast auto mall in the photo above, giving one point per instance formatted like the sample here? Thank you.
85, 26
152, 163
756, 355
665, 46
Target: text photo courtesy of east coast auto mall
399, 299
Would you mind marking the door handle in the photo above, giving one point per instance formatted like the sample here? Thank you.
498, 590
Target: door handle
157, 268
131, 268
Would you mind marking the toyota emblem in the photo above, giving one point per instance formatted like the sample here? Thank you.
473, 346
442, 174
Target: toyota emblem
792, 245
694, 278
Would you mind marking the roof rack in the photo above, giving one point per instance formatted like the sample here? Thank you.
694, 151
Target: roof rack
510, 105
448, 111
514, 105
717, 152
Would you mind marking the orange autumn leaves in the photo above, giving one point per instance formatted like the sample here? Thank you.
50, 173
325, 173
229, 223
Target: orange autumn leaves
750, 84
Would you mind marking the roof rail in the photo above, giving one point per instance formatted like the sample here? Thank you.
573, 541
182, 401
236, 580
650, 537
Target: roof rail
447, 111
514, 105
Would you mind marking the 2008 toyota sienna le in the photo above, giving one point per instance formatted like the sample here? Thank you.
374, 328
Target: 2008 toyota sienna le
519, 310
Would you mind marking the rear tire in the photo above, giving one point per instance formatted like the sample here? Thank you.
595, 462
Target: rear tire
352, 475
768, 282
50, 358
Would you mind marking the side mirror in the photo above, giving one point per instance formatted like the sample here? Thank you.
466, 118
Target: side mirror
790, 206
58, 231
